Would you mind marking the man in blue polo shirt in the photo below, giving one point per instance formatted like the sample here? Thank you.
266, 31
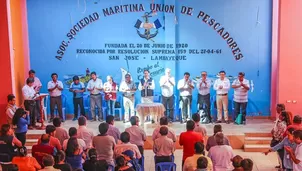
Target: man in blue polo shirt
78, 89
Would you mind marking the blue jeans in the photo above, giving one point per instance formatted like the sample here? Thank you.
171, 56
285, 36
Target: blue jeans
110, 107
241, 106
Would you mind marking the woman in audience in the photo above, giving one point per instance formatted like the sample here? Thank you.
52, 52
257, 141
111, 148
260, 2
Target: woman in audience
60, 162
121, 164
277, 133
24, 162
73, 154
8, 141
20, 120
93, 164
202, 164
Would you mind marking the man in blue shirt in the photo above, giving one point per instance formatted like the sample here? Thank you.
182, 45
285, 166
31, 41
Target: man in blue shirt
78, 89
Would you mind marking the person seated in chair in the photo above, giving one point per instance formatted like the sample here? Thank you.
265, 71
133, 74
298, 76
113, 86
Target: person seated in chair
61, 133
121, 164
7, 142
211, 140
163, 147
163, 122
137, 134
93, 164
60, 162
73, 134
53, 141
126, 145
43, 148
84, 133
24, 162
48, 162
74, 155
112, 131
199, 128
237, 163
202, 164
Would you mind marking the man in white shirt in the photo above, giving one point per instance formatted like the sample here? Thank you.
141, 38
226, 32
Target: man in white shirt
204, 86
241, 87
167, 83
128, 89
185, 87
296, 155
30, 95
222, 86
55, 88
37, 86
10, 108
95, 86
146, 86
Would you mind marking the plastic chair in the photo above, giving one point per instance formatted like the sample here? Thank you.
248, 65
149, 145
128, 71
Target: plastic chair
86, 105
63, 107
165, 166
120, 100
157, 98
172, 159
45, 107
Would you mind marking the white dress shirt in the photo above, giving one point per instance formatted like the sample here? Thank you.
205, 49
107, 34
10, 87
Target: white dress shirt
204, 89
56, 92
298, 154
183, 87
225, 83
241, 94
167, 86
97, 84
29, 93
152, 86
124, 87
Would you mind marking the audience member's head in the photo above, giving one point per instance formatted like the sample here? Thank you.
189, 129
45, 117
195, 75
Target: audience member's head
163, 121
298, 136
120, 161
60, 156
50, 129
5, 129
48, 160
163, 130
20, 112
217, 128
56, 122
247, 164
92, 154
134, 120
45, 138
297, 119
82, 121
280, 107
290, 132
72, 146
110, 119
73, 132
199, 148
237, 161
190, 125
196, 117
11, 99
202, 163
125, 137
22, 151
285, 117
103, 128
219, 138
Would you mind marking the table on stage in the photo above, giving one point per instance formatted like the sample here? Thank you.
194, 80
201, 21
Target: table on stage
154, 109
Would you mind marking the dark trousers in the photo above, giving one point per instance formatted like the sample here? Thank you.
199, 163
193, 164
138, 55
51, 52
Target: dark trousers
204, 100
53, 102
281, 155
242, 107
30, 105
21, 137
78, 102
159, 159
168, 102
38, 107
186, 101
141, 150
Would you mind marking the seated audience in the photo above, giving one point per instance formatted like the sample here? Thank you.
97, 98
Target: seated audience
61, 133
221, 154
131, 161
296, 156
24, 162
93, 164
104, 144
211, 140
137, 134
296, 123
40, 150
188, 140
163, 147
20, 120
164, 122
74, 154
73, 134
60, 161
121, 164
48, 162
198, 127
11, 108
202, 164
53, 141
112, 131
8, 141
191, 162
237, 163
9, 167
126, 145
84, 133
247, 164
287, 141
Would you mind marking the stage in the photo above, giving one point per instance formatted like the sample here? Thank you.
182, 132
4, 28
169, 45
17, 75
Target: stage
236, 133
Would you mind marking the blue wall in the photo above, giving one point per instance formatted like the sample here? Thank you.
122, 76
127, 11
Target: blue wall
247, 22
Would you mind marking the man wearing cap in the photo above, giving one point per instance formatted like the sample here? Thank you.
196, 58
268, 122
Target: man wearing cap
241, 87
77, 88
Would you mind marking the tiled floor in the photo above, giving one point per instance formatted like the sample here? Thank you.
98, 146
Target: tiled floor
261, 162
